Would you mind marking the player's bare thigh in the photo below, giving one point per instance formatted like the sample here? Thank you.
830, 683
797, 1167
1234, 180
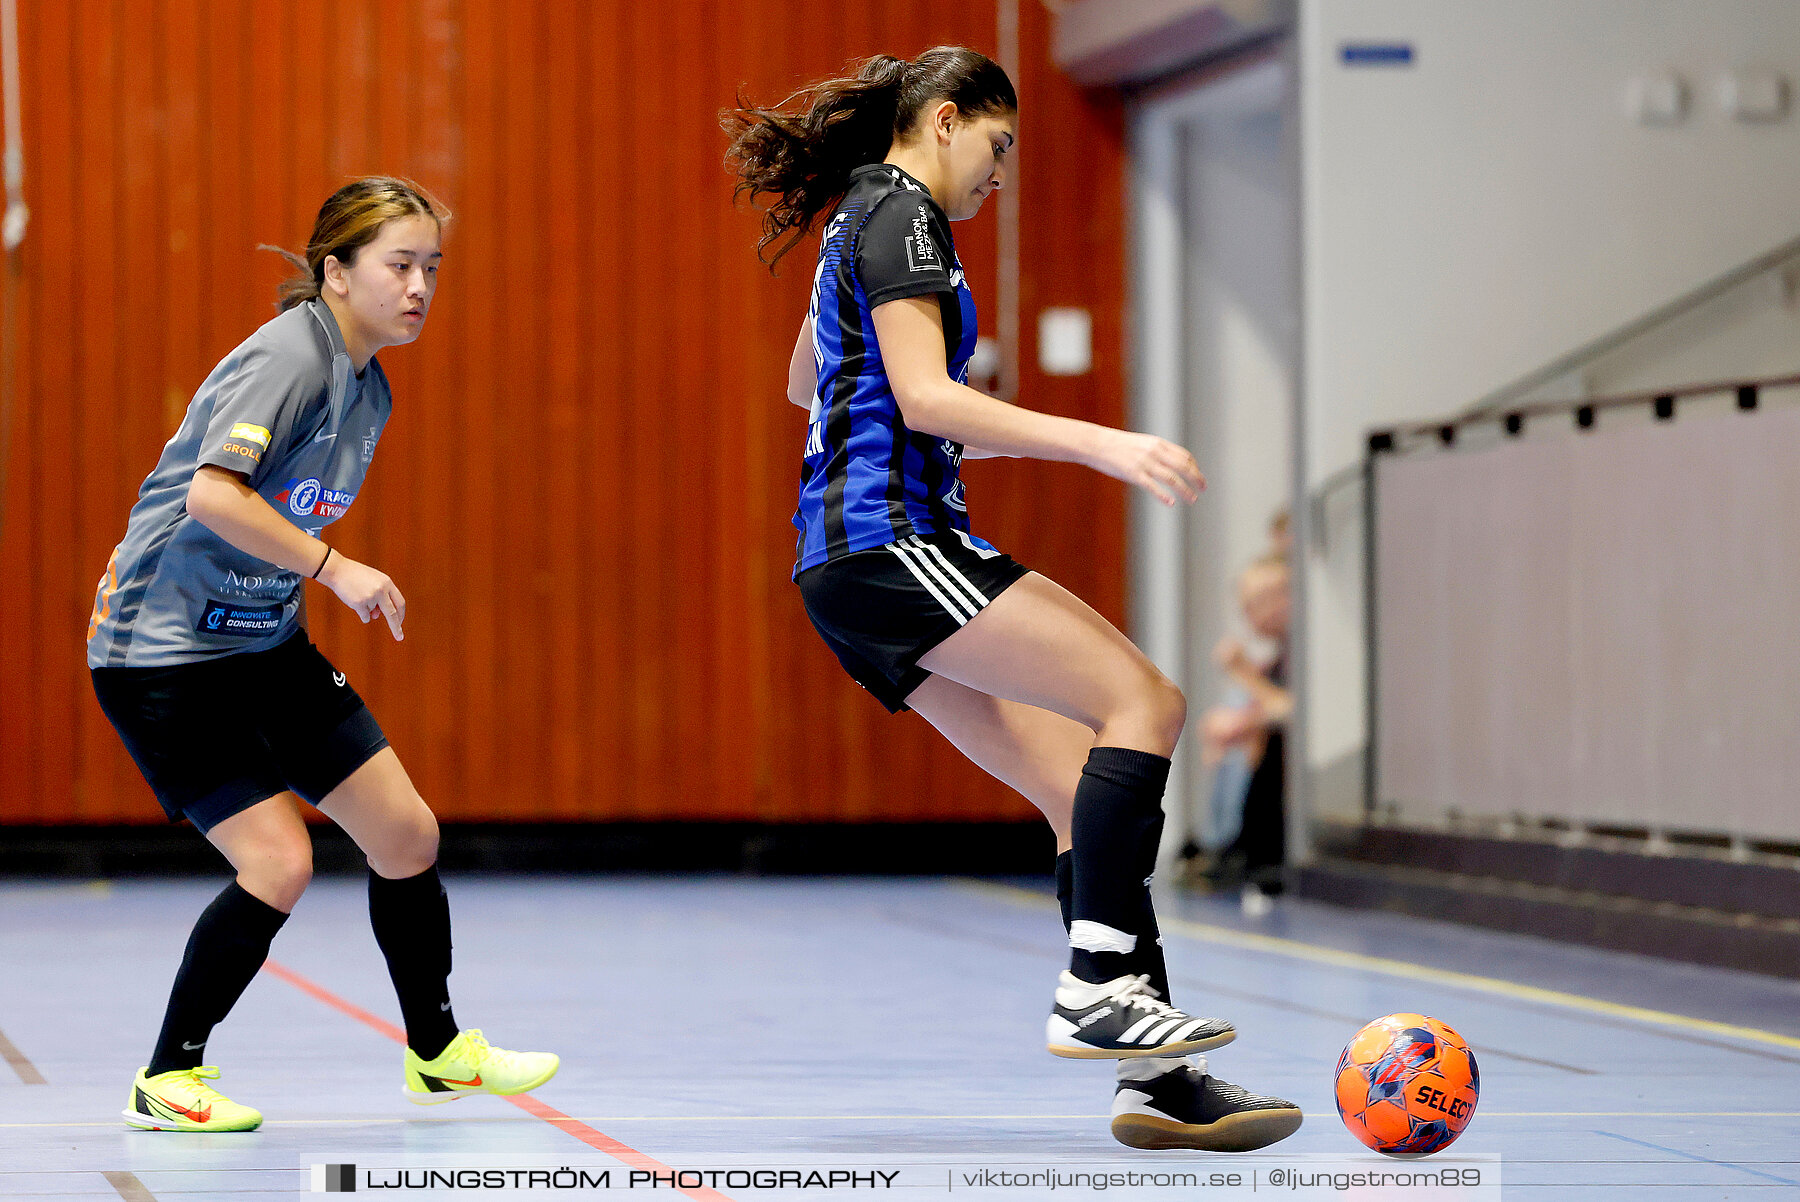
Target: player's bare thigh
1040, 645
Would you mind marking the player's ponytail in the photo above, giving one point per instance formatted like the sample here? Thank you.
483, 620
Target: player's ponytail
802, 151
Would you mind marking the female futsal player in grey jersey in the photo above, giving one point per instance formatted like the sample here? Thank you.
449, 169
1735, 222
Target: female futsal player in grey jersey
200, 659
1019, 674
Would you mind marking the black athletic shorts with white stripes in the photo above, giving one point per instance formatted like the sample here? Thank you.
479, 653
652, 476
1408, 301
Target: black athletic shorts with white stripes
880, 611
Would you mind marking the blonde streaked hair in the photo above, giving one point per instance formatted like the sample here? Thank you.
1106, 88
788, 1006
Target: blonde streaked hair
350, 219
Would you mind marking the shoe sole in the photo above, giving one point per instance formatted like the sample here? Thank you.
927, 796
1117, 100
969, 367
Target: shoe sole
438, 1098
145, 1122
1243, 1132
1085, 1052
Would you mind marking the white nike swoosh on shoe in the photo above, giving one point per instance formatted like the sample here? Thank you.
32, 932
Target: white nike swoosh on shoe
192, 1047
445, 1006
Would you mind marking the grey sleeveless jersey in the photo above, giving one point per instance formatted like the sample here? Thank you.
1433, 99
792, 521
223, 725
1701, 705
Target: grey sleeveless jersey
285, 411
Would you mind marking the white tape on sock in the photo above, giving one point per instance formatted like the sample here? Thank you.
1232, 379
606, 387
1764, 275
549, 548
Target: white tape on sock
1098, 937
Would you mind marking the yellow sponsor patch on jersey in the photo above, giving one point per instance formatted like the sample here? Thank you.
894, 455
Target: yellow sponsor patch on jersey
250, 433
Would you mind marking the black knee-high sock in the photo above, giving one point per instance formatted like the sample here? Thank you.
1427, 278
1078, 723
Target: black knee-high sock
1117, 825
1148, 958
411, 917
1065, 887
227, 949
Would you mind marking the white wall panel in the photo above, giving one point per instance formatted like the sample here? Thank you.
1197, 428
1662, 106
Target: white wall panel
1491, 205
1603, 628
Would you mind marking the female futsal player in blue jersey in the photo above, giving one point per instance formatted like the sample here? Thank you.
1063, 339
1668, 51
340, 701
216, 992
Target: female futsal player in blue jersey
201, 660
1021, 676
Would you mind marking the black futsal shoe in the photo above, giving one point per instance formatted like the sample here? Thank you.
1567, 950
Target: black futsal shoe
1189, 1109
1123, 1019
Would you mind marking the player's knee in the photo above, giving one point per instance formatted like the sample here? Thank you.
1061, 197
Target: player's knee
1175, 706
411, 843
424, 838
281, 874
1165, 706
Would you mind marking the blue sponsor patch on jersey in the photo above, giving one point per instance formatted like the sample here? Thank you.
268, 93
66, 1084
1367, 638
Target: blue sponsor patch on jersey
308, 498
247, 621
300, 496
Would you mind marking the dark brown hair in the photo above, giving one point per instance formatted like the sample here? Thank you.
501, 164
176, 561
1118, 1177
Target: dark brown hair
802, 151
350, 219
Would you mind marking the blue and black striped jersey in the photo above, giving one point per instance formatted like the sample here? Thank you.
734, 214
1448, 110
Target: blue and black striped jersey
866, 479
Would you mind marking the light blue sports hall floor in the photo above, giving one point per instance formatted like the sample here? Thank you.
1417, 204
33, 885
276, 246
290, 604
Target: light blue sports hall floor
854, 1025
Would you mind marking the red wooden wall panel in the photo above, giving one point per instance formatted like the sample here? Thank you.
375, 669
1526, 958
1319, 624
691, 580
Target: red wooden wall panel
585, 487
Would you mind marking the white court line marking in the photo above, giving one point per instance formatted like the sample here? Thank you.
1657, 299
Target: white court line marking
902, 1118
1416, 972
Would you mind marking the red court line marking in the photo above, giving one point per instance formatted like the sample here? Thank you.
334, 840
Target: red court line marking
334, 1001
597, 1140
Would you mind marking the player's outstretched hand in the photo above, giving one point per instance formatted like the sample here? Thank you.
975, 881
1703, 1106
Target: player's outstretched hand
1167, 471
366, 591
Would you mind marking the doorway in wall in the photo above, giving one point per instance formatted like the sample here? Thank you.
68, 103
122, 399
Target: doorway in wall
1216, 203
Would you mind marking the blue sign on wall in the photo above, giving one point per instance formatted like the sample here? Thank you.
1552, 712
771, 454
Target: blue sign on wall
1376, 54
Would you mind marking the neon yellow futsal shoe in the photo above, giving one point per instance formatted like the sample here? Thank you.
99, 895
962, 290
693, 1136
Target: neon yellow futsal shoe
472, 1065
182, 1101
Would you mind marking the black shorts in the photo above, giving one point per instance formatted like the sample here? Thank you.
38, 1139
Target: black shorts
214, 738
880, 611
